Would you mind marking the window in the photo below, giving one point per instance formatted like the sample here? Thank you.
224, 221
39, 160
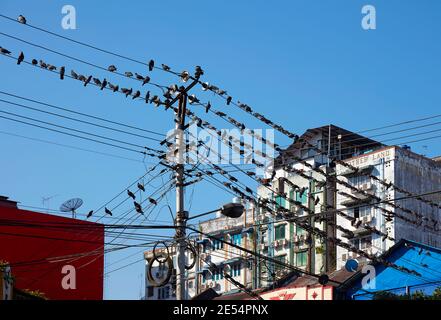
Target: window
301, 258
235, 270
363, 211
216, 245
279, 232
263, 237
300, 230
359, 180
303, 198
236, 239
217, 274
363, 243
190, 284
204, 277
281, 202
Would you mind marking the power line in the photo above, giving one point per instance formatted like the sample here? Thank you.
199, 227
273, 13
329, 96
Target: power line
81, 114
69, 146
80, 131
78, 120
79, 60
84, 44
73, 135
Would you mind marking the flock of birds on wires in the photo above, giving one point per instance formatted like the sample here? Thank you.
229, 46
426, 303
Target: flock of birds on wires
144, 203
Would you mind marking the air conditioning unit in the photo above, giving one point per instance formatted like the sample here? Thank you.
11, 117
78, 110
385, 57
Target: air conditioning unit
285, 242
276, 243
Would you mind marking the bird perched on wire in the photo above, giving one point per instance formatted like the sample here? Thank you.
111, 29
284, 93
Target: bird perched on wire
153, 201
151, 65
165, 67
126, 91
74, 75
103, 84
107, 211
128, 74
198, 72
4, 51
136, 95
205, 86
112, 68
51, 67
20, 58
87, 80
141, 187
156, 100
43, 64
146, 80
97, 81
89, 214
193, 99
21, 19
131, 194
147, 97
185, 76
62, 72
138, 207
34, 62
114, 88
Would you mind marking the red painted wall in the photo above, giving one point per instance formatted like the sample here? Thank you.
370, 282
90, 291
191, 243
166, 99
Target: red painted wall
38, 245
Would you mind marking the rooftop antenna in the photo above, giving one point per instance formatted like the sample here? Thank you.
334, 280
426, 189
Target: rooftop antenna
71, 205
45, 201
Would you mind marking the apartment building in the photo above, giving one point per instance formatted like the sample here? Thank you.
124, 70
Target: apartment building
237, 263
295, 177
404, 169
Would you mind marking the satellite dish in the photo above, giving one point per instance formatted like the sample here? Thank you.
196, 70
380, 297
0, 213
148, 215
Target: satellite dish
71, 205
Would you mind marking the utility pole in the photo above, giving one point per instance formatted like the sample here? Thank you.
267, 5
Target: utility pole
181, 215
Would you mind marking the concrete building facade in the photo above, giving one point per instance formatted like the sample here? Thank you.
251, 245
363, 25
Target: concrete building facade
404, 169
237, 263
296, 177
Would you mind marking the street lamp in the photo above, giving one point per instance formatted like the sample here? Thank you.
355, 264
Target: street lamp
230, 210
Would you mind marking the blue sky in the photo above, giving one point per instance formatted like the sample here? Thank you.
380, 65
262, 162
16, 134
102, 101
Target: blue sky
302, 63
